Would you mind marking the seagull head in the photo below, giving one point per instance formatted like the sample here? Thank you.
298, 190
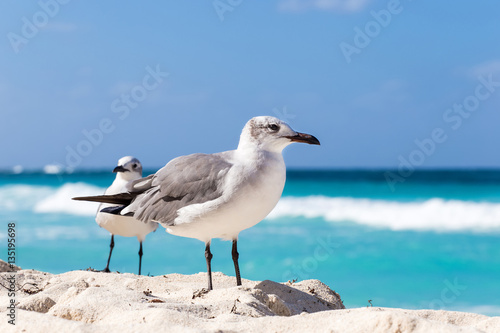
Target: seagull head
272, 134
128, 168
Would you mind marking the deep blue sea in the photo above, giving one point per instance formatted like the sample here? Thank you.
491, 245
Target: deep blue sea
431, 240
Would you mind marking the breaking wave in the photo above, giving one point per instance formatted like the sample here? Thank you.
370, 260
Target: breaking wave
60, 201
433, 214
47, 199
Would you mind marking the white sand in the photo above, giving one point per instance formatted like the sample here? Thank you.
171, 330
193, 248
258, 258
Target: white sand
81, 301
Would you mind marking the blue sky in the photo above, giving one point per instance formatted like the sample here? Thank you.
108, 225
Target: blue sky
421, 87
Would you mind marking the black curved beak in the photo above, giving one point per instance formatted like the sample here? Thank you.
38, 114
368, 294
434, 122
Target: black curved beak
306, 138
119, 169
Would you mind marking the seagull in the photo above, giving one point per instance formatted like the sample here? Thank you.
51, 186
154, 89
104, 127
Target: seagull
129, 168
206, 196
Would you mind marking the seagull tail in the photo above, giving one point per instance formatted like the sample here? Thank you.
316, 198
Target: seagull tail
119, 199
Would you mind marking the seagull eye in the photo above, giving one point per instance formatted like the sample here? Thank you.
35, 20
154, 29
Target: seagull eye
273, 127
134, 165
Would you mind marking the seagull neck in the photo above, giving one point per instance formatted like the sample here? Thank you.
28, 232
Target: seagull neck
126, 177
121, 177
254, 152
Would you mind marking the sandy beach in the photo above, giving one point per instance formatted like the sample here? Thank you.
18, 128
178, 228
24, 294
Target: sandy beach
86, 301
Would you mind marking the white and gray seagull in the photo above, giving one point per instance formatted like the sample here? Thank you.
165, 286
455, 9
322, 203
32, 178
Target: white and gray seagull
208, 196
129, 168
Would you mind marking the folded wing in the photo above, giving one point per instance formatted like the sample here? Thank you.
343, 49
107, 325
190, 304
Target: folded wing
184, 181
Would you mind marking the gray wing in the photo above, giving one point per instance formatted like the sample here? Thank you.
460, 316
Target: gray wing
184, 181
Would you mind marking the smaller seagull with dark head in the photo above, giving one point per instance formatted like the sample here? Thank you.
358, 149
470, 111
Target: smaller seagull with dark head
129, 168
206, 196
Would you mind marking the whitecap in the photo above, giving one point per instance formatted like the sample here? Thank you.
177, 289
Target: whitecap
60, 201
22, 197
433, 214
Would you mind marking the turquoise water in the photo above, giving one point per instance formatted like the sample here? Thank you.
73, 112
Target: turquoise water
432, 241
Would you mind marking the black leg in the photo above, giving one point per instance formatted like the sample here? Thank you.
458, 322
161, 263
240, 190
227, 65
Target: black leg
111, 246
140, 258
236, 255
208, 256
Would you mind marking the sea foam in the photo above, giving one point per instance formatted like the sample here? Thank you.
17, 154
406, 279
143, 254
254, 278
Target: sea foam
60, 200
433, 214
22, 197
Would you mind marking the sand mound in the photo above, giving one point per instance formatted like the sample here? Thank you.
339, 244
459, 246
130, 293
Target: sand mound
84, 301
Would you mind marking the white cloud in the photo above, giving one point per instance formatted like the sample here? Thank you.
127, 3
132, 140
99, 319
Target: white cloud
342, 6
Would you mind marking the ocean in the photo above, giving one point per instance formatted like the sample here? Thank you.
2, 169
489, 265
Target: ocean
429, 241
